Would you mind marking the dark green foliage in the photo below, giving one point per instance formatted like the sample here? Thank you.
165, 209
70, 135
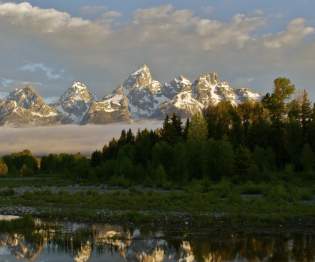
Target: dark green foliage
172, 130
219, 159
243, 162
23, 163
307, 158
73, 166
96, 158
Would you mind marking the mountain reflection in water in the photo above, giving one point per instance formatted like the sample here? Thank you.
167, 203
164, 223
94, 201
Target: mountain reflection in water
81, 243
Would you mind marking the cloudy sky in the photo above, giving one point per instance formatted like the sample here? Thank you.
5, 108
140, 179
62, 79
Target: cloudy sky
248, 42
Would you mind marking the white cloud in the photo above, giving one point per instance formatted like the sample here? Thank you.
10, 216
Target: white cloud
49, 72
108, 17
237, 31
46, 21
104, 50
165, 23
111, 14
296, 32
93, 9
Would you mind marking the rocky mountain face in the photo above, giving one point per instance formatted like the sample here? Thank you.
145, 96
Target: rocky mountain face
150, 99
139, 97
23, 107
144, 94
75, 102
112, 108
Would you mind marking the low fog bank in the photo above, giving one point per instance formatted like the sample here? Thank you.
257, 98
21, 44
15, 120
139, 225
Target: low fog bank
67, 139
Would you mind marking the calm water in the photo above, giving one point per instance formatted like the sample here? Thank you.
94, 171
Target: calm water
99, 242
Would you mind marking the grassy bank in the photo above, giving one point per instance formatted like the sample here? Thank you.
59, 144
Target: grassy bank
197, 204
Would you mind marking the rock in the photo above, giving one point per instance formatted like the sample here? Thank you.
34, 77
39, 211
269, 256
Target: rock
112, 108
75, 102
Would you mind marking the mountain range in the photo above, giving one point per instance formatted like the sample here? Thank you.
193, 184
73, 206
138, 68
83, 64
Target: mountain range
139, 97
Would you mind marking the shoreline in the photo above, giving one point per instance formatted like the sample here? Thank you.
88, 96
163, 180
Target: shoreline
223, 206
178, 221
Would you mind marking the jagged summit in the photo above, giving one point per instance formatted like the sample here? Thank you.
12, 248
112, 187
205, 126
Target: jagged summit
79, 86
78, 91
119, 90
25, 107
75, 101
178, 84
25, 97
209, 89
140, 78
139, 97
144, 93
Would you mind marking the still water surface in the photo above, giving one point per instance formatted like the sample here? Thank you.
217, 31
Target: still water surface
54, 242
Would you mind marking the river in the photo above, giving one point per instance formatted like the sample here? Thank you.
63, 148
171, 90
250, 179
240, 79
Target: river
79, 242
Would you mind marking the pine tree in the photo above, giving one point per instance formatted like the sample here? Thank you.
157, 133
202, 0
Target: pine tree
159, 176
243, 161
198, 129
306, 111
130, 139
186, 128
172, 129
212, 117
96, 158
123, 138
307, 158
166, 123
177, 125
294, 111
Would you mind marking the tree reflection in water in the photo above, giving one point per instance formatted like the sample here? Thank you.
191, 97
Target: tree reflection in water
115, 243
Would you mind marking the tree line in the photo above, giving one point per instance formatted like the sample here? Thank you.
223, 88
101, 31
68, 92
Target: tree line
257, 141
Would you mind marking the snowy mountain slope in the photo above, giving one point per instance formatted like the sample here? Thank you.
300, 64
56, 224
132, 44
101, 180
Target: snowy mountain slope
75, 102
182, 104
144, 94
112, 108
177, 85
24, 107
139, 97
245, 94
149, 99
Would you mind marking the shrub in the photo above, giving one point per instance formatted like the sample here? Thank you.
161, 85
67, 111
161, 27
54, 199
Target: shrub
3, 168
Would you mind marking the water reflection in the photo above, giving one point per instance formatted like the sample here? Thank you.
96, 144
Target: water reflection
82, 243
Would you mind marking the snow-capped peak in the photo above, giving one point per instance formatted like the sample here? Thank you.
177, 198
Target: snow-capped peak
140, 96
142, 69
182, 82
79, 86
139, 79
25, 97
177, 85
78, 91
245, 94
75, 101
